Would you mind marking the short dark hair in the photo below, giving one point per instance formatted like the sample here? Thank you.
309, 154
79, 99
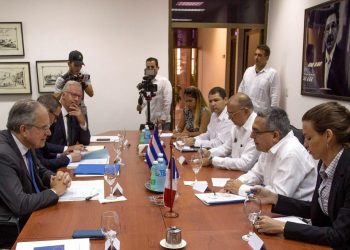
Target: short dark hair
265, 48
22, 113
49, 102
150, 59
218, 90
276, 119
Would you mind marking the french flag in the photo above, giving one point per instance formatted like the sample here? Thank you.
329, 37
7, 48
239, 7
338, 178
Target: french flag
170, 190
154, 148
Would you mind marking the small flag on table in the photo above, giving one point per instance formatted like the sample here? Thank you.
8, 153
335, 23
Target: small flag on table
154, 148
170, 188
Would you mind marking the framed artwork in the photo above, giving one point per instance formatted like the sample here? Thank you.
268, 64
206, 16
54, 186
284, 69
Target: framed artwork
48, 72
11, 39
15, 78
326, 51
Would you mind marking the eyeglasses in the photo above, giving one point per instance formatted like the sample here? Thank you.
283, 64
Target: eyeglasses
43, 128
234, 113
74, 94
256, 132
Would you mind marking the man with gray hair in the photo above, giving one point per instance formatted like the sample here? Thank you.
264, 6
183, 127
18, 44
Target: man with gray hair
71, 127
284, 166
25, 185
238, 152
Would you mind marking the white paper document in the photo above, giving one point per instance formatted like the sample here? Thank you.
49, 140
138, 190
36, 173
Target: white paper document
291, 219
73, 165
186, 148
190, 183
103, 138
219, 198
200, 186
219, 182
93, 148
71, 244
79, 190
119, 198
166, 135
255, 242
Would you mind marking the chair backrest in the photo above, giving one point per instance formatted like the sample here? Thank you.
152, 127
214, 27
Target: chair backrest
298, 133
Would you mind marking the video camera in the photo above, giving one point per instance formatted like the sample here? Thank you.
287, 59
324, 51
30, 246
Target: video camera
146, 85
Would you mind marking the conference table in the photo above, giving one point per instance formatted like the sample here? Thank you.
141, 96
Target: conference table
143, 224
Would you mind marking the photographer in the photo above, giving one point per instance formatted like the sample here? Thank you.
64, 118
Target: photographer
160, 104
75, 63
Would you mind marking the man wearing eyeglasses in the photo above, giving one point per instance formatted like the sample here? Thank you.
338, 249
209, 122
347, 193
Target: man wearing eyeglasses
238, 152
25, 185
54, 156
284, 166
71, 127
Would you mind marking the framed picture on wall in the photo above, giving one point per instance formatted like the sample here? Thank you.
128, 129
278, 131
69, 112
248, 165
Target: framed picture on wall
48, 72
326, 51
15, 78
11, 39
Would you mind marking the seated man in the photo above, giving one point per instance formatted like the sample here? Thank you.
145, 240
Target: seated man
25, 185
53, 156
238, 152
284, 166
71, 127
219, 126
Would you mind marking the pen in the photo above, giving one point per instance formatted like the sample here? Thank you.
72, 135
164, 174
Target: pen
91, 196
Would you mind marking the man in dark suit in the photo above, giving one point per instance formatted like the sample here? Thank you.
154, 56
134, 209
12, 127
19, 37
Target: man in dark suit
25, 185
53, 156
334, 58
71, 126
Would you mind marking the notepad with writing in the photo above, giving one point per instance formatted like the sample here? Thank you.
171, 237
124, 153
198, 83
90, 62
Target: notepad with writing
92, 169
219, 198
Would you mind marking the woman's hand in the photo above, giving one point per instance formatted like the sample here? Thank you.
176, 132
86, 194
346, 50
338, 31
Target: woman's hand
265, 224
265, 195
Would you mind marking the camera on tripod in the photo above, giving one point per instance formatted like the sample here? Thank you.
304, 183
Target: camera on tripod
146, 85
79, 77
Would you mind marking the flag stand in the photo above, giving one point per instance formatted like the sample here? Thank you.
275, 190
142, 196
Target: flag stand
171, 213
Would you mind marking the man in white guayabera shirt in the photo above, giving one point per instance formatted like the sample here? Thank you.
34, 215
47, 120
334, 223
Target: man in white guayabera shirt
284, 166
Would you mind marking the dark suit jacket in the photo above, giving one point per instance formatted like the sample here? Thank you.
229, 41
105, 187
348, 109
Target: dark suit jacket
332, 230
336, 77
58, 133
17, 194
47, 155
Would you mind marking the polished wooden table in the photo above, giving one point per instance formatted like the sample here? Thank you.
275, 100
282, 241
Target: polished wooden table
143, 224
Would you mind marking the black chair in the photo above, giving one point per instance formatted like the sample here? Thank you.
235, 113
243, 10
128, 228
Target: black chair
9, 230
298, 133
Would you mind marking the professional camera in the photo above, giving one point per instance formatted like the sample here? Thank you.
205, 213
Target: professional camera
146, 85
80, 77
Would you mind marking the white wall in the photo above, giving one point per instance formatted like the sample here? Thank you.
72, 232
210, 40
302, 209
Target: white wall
211, 59
115, 37
285, 38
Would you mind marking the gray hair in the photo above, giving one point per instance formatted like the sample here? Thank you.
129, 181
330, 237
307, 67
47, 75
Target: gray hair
276, 119
66, 87
243, 100
49, 102
23, 112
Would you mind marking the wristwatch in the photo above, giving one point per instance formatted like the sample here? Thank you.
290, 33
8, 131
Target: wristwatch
210, 160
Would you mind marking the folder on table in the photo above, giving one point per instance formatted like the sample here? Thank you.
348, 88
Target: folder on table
97, 154
219, 198
91, 169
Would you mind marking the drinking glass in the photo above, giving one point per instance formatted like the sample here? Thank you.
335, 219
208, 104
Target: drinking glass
110, 226
252, 209
196, 164
118, 146
180, 143
110, 175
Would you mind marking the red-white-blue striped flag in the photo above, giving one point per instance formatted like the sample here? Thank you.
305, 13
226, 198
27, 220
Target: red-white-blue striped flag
154, 148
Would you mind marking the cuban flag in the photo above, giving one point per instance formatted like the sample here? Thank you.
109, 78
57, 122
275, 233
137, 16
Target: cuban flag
154, 148
170, 192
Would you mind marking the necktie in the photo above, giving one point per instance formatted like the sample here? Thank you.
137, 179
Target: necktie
69, 129
31, 170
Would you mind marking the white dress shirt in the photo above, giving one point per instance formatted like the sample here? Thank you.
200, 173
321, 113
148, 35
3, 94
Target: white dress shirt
218, 131
327, 65
263, 87
287, 169
23, 149
239, 151
160, 105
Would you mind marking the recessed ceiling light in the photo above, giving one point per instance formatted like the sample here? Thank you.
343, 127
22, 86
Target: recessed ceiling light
192, 4
181, 20
188, 10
